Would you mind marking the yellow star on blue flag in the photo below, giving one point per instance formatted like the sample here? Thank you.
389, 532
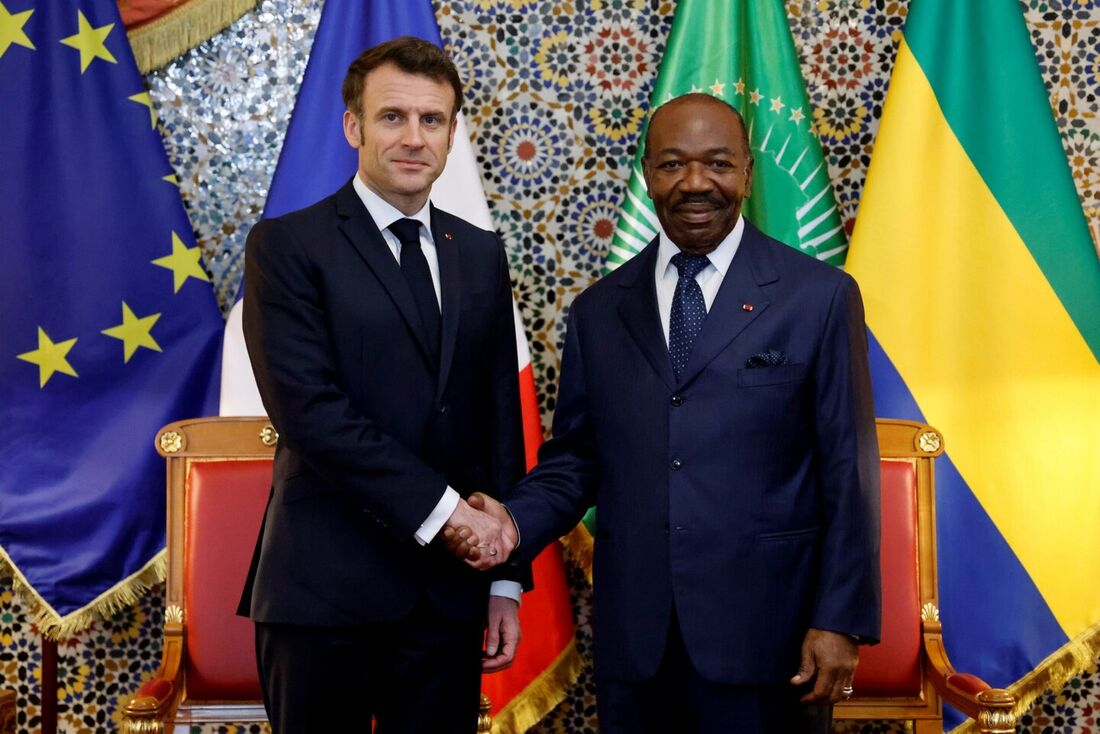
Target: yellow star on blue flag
90, 42
11, 29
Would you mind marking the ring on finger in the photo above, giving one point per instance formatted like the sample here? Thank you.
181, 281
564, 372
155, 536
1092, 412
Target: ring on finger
847, 691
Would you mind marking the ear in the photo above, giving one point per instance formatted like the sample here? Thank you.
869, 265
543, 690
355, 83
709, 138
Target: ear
647, 170
353, 131
748, 178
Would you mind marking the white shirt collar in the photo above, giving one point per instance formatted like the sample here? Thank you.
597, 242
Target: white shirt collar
384, 213
720, 257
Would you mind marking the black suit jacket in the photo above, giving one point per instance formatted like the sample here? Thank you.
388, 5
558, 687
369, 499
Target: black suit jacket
371, 429
748, 496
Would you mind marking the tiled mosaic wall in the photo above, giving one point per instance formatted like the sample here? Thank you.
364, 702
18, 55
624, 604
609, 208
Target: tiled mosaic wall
556, 92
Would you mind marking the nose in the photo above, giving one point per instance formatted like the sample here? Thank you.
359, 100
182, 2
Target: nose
413, 137
696, 178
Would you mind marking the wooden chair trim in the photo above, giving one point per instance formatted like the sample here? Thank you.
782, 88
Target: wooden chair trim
991, 708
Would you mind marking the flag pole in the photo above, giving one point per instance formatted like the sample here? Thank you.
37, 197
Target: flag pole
49, 686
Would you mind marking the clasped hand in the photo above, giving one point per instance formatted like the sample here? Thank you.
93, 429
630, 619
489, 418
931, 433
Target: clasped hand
480, 531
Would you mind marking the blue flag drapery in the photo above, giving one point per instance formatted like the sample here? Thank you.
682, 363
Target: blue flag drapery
109, 326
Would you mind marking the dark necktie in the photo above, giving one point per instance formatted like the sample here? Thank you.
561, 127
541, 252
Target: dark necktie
689, 310
414, 266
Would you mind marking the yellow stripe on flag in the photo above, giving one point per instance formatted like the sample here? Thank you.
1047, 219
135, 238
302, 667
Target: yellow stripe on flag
957, 302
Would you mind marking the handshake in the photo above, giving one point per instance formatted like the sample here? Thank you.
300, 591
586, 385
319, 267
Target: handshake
480, 531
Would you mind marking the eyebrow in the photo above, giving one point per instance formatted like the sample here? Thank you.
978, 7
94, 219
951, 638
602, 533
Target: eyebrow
423, 113
721, 150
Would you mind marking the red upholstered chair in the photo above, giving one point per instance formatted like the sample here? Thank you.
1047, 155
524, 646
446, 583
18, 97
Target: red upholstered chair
908, 675
219, 477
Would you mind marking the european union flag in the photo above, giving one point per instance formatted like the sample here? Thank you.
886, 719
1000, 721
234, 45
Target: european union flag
108, 325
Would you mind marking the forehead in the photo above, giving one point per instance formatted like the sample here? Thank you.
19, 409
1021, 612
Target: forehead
389, 87
695, 124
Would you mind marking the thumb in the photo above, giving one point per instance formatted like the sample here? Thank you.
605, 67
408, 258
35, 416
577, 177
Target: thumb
806, 668
476, 501
492, 639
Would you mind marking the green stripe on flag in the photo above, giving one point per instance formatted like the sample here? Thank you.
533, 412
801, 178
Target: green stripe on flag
1008, 131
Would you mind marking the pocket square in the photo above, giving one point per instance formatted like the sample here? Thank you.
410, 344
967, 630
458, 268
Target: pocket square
770, 358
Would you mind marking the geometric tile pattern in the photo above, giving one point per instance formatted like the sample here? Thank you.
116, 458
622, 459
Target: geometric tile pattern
556, 93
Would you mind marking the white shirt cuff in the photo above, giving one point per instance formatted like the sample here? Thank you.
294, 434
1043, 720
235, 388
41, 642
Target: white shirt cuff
435, 521
509, 589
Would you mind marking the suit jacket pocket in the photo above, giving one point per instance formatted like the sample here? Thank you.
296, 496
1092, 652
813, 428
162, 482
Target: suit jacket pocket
798, 534
778, 375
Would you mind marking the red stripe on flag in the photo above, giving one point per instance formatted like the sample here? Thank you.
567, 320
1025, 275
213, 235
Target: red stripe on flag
546, 615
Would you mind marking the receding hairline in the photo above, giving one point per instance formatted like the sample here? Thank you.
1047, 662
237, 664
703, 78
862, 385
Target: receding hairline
696, 97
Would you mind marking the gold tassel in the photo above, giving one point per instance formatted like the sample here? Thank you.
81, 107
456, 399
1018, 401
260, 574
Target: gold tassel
578, 544
180, 30
120, 596
541, 695
1052, 674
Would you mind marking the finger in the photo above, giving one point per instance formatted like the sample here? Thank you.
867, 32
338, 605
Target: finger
476, 501
492, 638
826, 680
806, 667
505, 656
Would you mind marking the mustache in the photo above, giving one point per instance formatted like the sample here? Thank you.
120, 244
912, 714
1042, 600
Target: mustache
689, 199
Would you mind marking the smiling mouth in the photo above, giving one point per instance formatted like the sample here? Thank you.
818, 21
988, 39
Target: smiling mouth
696, 212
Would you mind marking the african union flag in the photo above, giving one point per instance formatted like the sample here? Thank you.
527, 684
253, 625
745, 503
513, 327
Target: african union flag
109, 328
982, 291
742, 52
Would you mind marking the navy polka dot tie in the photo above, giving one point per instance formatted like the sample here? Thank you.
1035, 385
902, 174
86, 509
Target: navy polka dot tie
689, 310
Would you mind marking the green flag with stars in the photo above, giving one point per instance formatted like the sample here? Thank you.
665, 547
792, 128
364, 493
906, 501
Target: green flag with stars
741, 52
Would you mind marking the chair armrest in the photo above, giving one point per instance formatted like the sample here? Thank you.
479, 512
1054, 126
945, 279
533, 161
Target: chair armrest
992, 708
154, 704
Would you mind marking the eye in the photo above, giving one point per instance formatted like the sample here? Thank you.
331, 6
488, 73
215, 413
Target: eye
721, 165
670, 165
391, 117
430, 120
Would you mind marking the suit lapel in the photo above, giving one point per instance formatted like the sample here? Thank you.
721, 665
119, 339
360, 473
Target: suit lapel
751, 268
364, 235
450, 288
638, 310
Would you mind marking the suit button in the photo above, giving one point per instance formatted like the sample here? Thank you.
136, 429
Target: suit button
676, 401
441, 408
676, 464
666, 528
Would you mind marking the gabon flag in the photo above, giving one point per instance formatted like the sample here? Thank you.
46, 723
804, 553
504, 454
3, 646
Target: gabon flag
982, 293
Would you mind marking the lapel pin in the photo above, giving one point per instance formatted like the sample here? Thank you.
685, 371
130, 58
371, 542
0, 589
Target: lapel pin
746, 306
448, 236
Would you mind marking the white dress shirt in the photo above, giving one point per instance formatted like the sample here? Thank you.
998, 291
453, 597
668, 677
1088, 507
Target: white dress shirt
384, 214
709, 278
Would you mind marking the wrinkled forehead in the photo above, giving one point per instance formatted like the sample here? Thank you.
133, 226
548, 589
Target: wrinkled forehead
390, 86
695, 124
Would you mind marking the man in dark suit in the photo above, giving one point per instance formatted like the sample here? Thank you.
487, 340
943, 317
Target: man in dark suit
715, 406
380, 330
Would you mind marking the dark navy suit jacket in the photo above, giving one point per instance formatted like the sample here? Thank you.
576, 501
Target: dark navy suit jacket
748, 496
371, 429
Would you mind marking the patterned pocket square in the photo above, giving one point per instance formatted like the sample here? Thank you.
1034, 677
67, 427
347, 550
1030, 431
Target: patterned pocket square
770, 358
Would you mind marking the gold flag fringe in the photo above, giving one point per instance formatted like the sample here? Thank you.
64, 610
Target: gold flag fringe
180, 30
120, 596
1052, 674
578, 544
541, 695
